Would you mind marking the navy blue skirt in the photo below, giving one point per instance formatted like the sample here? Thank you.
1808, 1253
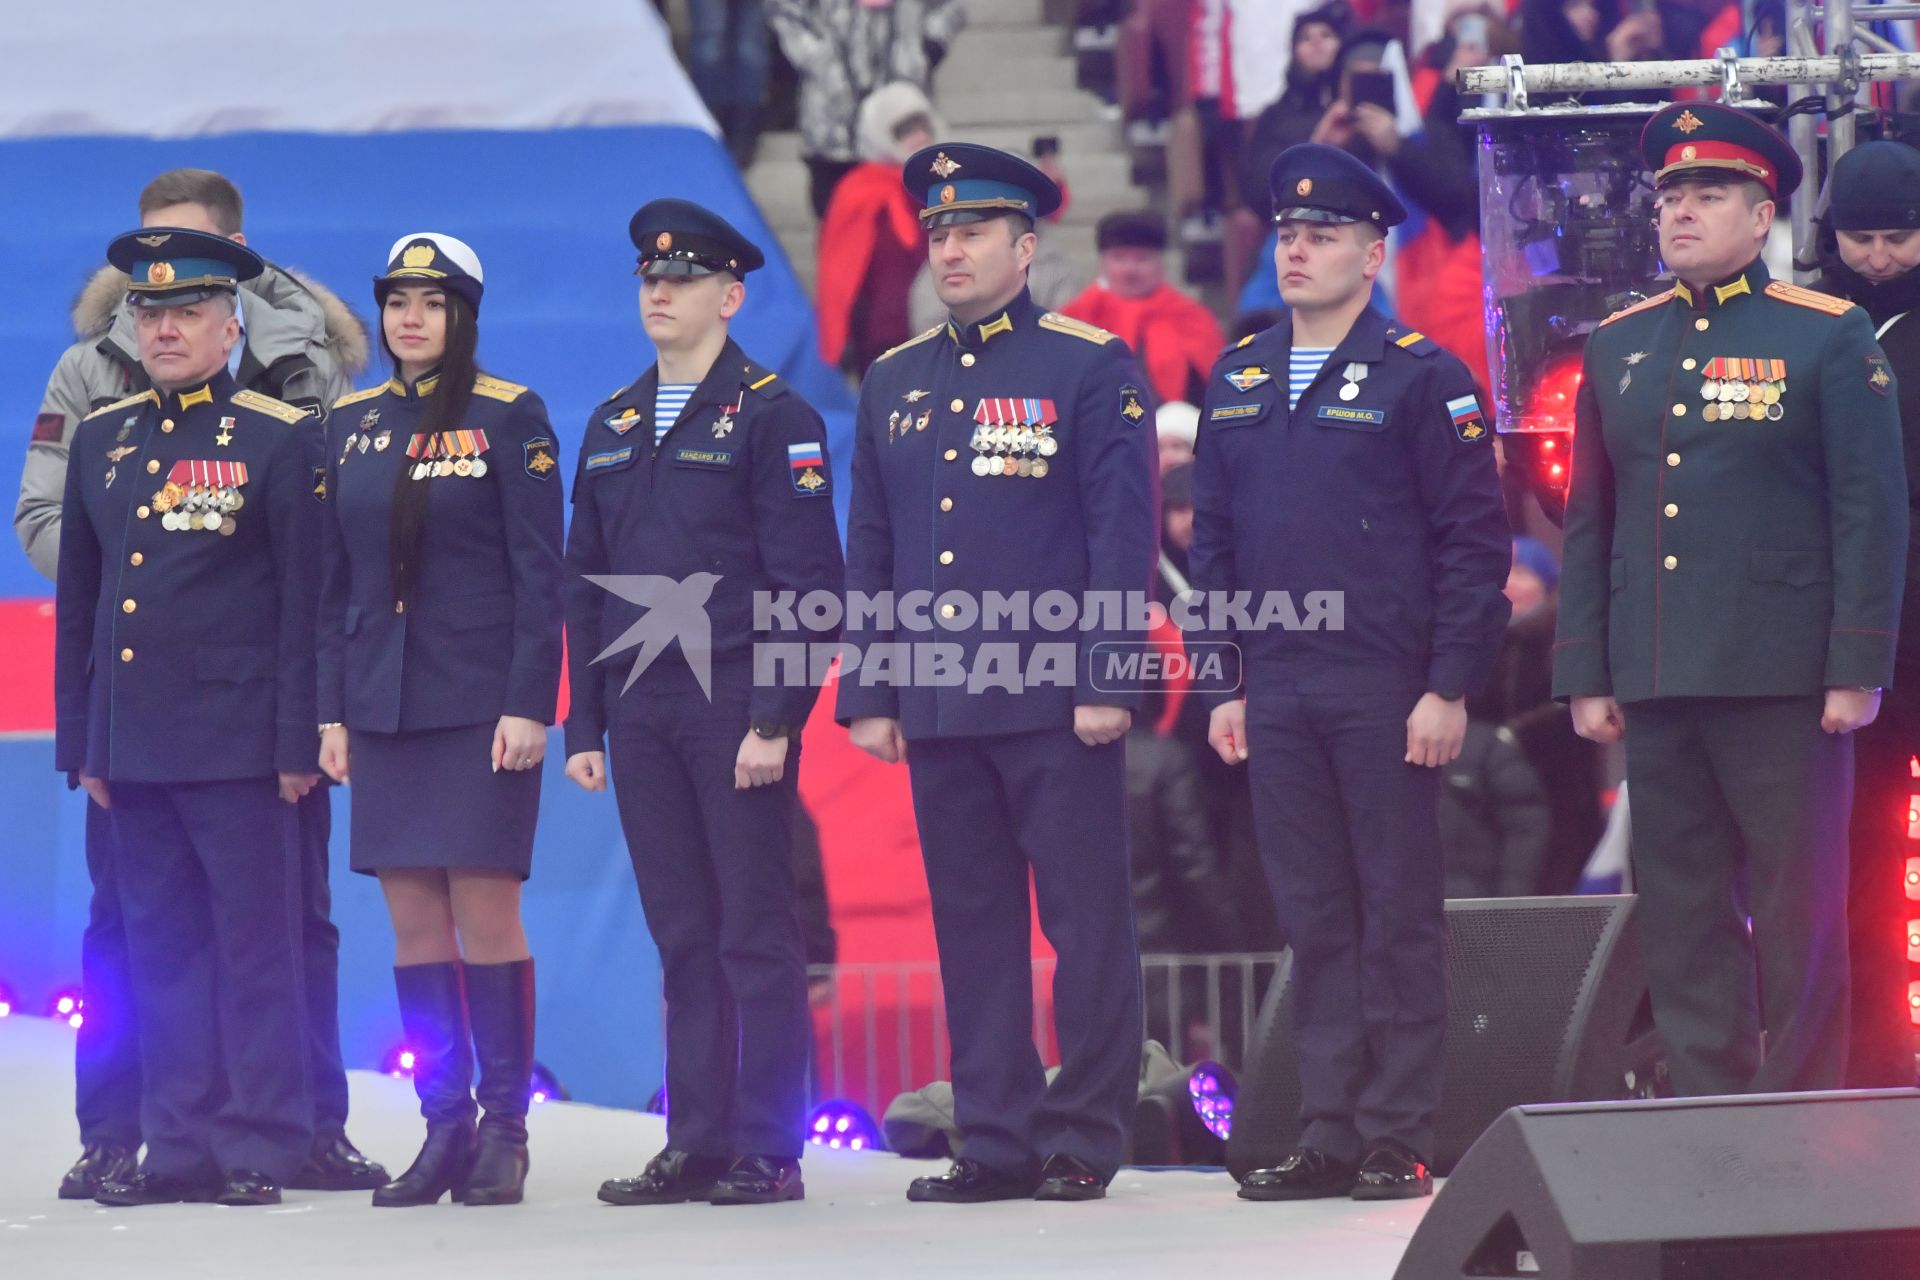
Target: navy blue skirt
431, 799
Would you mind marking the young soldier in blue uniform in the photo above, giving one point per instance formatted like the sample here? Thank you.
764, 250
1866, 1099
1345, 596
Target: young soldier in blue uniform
1341, 453
1735, 543
708, 474
1010, 451
184, 675
439, 665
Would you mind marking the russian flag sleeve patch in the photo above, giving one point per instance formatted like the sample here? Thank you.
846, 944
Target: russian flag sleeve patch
1464, 411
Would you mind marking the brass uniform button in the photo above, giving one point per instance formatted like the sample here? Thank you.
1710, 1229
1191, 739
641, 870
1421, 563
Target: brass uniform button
128, 606
126, 655
143, 513
1673, 509
1701, 324
138, 558
948, 610
1679, 411
1673, 459
946, 504
153, 466
1687, 363
167, 425
1672, 562
951, 454
946, 557
967, 360
399, 606
957, 405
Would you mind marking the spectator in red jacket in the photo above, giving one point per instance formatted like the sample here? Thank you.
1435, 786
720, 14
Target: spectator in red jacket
1175, 339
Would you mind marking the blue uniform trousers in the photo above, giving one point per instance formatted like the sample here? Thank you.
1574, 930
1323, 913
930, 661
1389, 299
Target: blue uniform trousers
107, 1046
715, 870
209, 883
1350, 836
991, 810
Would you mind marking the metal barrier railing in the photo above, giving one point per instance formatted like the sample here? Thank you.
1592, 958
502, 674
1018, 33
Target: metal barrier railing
881, 1029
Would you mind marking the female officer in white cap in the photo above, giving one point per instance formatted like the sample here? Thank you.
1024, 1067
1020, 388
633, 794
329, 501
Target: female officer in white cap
439, 669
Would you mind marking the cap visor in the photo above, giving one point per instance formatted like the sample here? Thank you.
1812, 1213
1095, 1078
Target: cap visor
1298, 214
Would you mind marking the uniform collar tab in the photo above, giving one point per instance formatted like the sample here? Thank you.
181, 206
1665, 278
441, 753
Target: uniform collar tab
218, 387
420, 390
1750, 281
1006, 320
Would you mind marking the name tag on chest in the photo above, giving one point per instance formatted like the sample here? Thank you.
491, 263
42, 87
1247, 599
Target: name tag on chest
715, 459
611, 460
1343, 416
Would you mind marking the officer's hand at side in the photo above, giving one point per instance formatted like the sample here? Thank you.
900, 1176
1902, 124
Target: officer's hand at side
1097, 726
333, 753
1227, 730
761, 761
589, 769
518, 743
1598, 719
1849, 709
879, 737
293, 786
1435, 729
96, 788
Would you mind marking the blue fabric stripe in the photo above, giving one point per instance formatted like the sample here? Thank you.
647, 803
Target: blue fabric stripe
668, 401
1303, 366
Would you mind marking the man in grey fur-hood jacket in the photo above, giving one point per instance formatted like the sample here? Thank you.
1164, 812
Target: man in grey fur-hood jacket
300, 343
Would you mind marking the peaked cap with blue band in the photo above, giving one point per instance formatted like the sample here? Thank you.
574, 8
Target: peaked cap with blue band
174, 266
963, 182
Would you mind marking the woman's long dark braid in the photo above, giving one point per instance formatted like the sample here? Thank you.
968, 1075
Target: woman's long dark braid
446, 407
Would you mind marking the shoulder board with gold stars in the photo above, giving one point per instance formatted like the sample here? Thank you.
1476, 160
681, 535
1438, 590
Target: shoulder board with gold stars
764, 381
268, 405
357, 396
497, 388
1810, 298
121, 404
617, 394
1078, 328
915, 341
1414, 341
1644, 305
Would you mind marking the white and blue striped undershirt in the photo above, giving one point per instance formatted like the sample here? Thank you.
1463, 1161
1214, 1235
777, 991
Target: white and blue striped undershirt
1303, 366
668, 401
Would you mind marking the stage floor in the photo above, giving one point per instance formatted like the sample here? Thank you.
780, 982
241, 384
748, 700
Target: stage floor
855, 1221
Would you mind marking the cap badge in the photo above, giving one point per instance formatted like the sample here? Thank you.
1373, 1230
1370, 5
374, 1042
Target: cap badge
154, 242
1689, 152
1688, 122
663, 241
943, 167
947, 194
159, 273
1304, 187
417, 255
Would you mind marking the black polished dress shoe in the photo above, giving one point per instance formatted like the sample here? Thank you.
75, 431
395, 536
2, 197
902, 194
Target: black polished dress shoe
141, 1187
99, 1164
672, 1177
1306, 1174
759, 1180
336, 1165
970, 1182
1065, 1177
1392, 1172
245, 1187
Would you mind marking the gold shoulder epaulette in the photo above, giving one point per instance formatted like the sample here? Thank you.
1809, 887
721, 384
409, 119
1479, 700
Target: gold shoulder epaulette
913, 342
1810, 298
121, 404
356, 397
497, 388
1078, 328
268, 405
616, 395
1654, 301
1244, 341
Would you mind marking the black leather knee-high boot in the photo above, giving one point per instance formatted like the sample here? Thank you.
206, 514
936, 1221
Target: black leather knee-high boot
433, 1009
500, 998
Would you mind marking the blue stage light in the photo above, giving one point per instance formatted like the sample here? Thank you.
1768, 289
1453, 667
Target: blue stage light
546, 1088
843, 1126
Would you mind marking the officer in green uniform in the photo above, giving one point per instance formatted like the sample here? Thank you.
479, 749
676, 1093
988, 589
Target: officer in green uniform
1735, 539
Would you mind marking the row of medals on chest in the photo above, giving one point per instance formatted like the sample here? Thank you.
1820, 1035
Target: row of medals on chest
1008, 451
1744, 398
423, 468
194, 506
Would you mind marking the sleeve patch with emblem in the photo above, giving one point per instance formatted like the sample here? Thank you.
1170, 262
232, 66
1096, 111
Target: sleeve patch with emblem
538, 453
1467, 422
1877, 376
1132, 410
807, 464
46, 428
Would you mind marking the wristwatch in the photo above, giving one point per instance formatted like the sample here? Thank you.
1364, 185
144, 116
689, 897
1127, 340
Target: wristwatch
770, 731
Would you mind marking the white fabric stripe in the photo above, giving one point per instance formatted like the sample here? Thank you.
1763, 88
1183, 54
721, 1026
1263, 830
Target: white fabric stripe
668, 401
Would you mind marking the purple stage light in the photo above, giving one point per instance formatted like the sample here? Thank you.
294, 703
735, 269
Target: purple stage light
399, 1062
1212, 1088
6, 1001
544, 1087
840, 1125
68, 1006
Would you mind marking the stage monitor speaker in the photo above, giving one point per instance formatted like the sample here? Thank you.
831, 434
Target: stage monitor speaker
1808, 1186
1547, 1002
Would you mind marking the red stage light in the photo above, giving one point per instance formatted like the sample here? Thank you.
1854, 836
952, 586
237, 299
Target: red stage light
1913, 879
1913, 941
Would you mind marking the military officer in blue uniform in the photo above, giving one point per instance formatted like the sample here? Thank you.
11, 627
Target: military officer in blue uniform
1736, 541
702, 488
1340, 453
1009, 452
439, 665
184, 690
